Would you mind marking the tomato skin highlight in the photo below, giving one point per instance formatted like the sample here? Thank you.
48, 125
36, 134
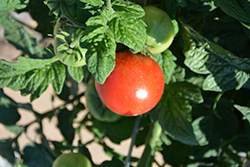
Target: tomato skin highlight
134, 87
160, 30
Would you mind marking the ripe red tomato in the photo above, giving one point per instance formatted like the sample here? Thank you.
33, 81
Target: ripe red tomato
134, 87
96, 107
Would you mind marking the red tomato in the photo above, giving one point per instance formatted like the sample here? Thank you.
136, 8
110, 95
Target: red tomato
134, 87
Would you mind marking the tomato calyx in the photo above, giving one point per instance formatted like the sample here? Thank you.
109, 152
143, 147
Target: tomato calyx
67, 45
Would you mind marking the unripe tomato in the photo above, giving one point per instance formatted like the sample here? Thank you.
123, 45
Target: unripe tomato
96, 107
160, 30
134, 87
67, 45
72, 160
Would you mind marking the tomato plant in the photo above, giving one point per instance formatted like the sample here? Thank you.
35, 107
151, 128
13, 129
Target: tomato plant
72, 160
89, 88
68, 6
67, 45
134, 87
160, 30
95, 106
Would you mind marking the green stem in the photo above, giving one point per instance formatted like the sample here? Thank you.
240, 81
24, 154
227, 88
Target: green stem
152, 141
217, 99
134, 134
109, 4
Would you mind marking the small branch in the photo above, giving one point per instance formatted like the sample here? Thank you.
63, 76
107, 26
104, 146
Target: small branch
134, 134
109, 4
152, 141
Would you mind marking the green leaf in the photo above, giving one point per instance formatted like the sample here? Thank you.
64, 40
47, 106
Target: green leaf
14, 129
93, 2
166, 61
37, 155
40, 13
7, 5
172, 8
65, 124
127, 26
32, 75
174, 111
15, 33
235, 8
116, 131
225, 71
8, 110
226, 31
173, 156
130, 32
7, 157
99, 41
128, 9
77, 73
113, 163
244, 110
200, 135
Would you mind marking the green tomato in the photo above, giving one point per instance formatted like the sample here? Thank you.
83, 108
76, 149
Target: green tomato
72, 160
96, 107
160, 30
67, 45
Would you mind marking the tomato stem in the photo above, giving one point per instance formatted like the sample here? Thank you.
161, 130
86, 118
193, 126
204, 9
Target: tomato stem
153, 140
134, 134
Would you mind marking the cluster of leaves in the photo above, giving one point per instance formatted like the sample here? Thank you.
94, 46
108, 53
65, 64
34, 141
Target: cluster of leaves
203, 117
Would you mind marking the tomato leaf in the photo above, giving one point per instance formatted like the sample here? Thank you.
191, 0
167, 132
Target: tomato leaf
16, 129
200, 135
115, 131
174, 111
37, 155
8, 110
225, 70
99, 41
65, 124
32, 76
7, 157
113, 163
130, 32
77, 73
244, 110
93, 2
166, 61
16, 34
237, 9
127, 27
7, 5
128, 9
39, 13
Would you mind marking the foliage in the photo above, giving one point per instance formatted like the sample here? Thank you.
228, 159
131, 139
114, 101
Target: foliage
203, 116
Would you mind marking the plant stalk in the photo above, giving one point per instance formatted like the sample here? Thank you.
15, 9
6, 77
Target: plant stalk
153, 140
134, 134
